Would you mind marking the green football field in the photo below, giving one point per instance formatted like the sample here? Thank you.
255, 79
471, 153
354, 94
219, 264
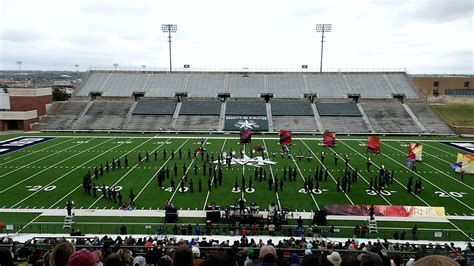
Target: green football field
48, 174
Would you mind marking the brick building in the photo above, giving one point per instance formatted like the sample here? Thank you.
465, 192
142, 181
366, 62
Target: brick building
438, 85
21, 107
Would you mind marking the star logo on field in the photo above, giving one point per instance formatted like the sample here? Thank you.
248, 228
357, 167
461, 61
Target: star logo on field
246, 124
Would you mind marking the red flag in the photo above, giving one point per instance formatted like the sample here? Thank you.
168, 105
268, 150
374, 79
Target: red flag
373, 144
246, 136
329, 139
285, 137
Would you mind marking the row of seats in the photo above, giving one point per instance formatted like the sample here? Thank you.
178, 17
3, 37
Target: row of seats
205, 115
251, 85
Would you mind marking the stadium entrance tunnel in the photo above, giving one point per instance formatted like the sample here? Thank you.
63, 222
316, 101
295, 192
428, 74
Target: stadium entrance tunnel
266, 96
311, 96
95, 94
138, 95
355, 97
223, 96
180, 95
399, 96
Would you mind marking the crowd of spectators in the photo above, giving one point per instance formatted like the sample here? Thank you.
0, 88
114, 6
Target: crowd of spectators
200, 251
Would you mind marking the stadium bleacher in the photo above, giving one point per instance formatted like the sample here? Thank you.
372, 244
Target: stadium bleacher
390, 117
246, 107
291, 107
155, 107
429, 118
287, 109
103, 115
338, 109
200, 107
65, 115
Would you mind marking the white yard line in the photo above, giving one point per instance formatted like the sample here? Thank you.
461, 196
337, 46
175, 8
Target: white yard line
128, 172
28, 154
302, 176
403, 186
26, 226
273, 177
428, 181
382, 196
332, 177
51, 166
40, 159
154, 174
74, 169
212, 180
436, 169
76, 188
459, 229
441, 150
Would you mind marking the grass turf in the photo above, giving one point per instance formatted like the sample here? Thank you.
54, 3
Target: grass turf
456, 114
48, 174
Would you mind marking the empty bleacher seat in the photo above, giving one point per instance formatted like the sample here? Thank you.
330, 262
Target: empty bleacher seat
291, 108
200, 107
338, 109
246, 107
390, 117
104, 115
155, 107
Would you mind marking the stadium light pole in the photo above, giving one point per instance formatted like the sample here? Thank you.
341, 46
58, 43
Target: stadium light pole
77, 67
322, 28
115, 66
19, 63
144, 67
169, 28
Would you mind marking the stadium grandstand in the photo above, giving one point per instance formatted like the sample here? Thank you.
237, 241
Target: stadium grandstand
385, 102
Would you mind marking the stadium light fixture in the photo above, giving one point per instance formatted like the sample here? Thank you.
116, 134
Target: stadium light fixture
77, 67
322, 28
115, 66
19, 63
169, 28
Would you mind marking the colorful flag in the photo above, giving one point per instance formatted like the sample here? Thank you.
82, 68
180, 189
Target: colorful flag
285, 137
410, 163
329, 139
465, 162
373, 144
246, 136
415, 151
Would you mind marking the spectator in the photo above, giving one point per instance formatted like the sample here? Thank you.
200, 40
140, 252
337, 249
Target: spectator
139, 261
334, 258
436, 260
113, 259
281, 259
267, 256
60, 254
165, 261
125, 255
183, 257
312, 260
83, 257
294, 259
370, 259
251, 258
196, 256
100, 256
6, 257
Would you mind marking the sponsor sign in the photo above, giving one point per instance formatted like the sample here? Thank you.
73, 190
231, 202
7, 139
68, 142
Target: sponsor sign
20, 143
383, 210
238, 123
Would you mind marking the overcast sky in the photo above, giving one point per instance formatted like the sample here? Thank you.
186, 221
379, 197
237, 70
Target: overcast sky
423, 36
